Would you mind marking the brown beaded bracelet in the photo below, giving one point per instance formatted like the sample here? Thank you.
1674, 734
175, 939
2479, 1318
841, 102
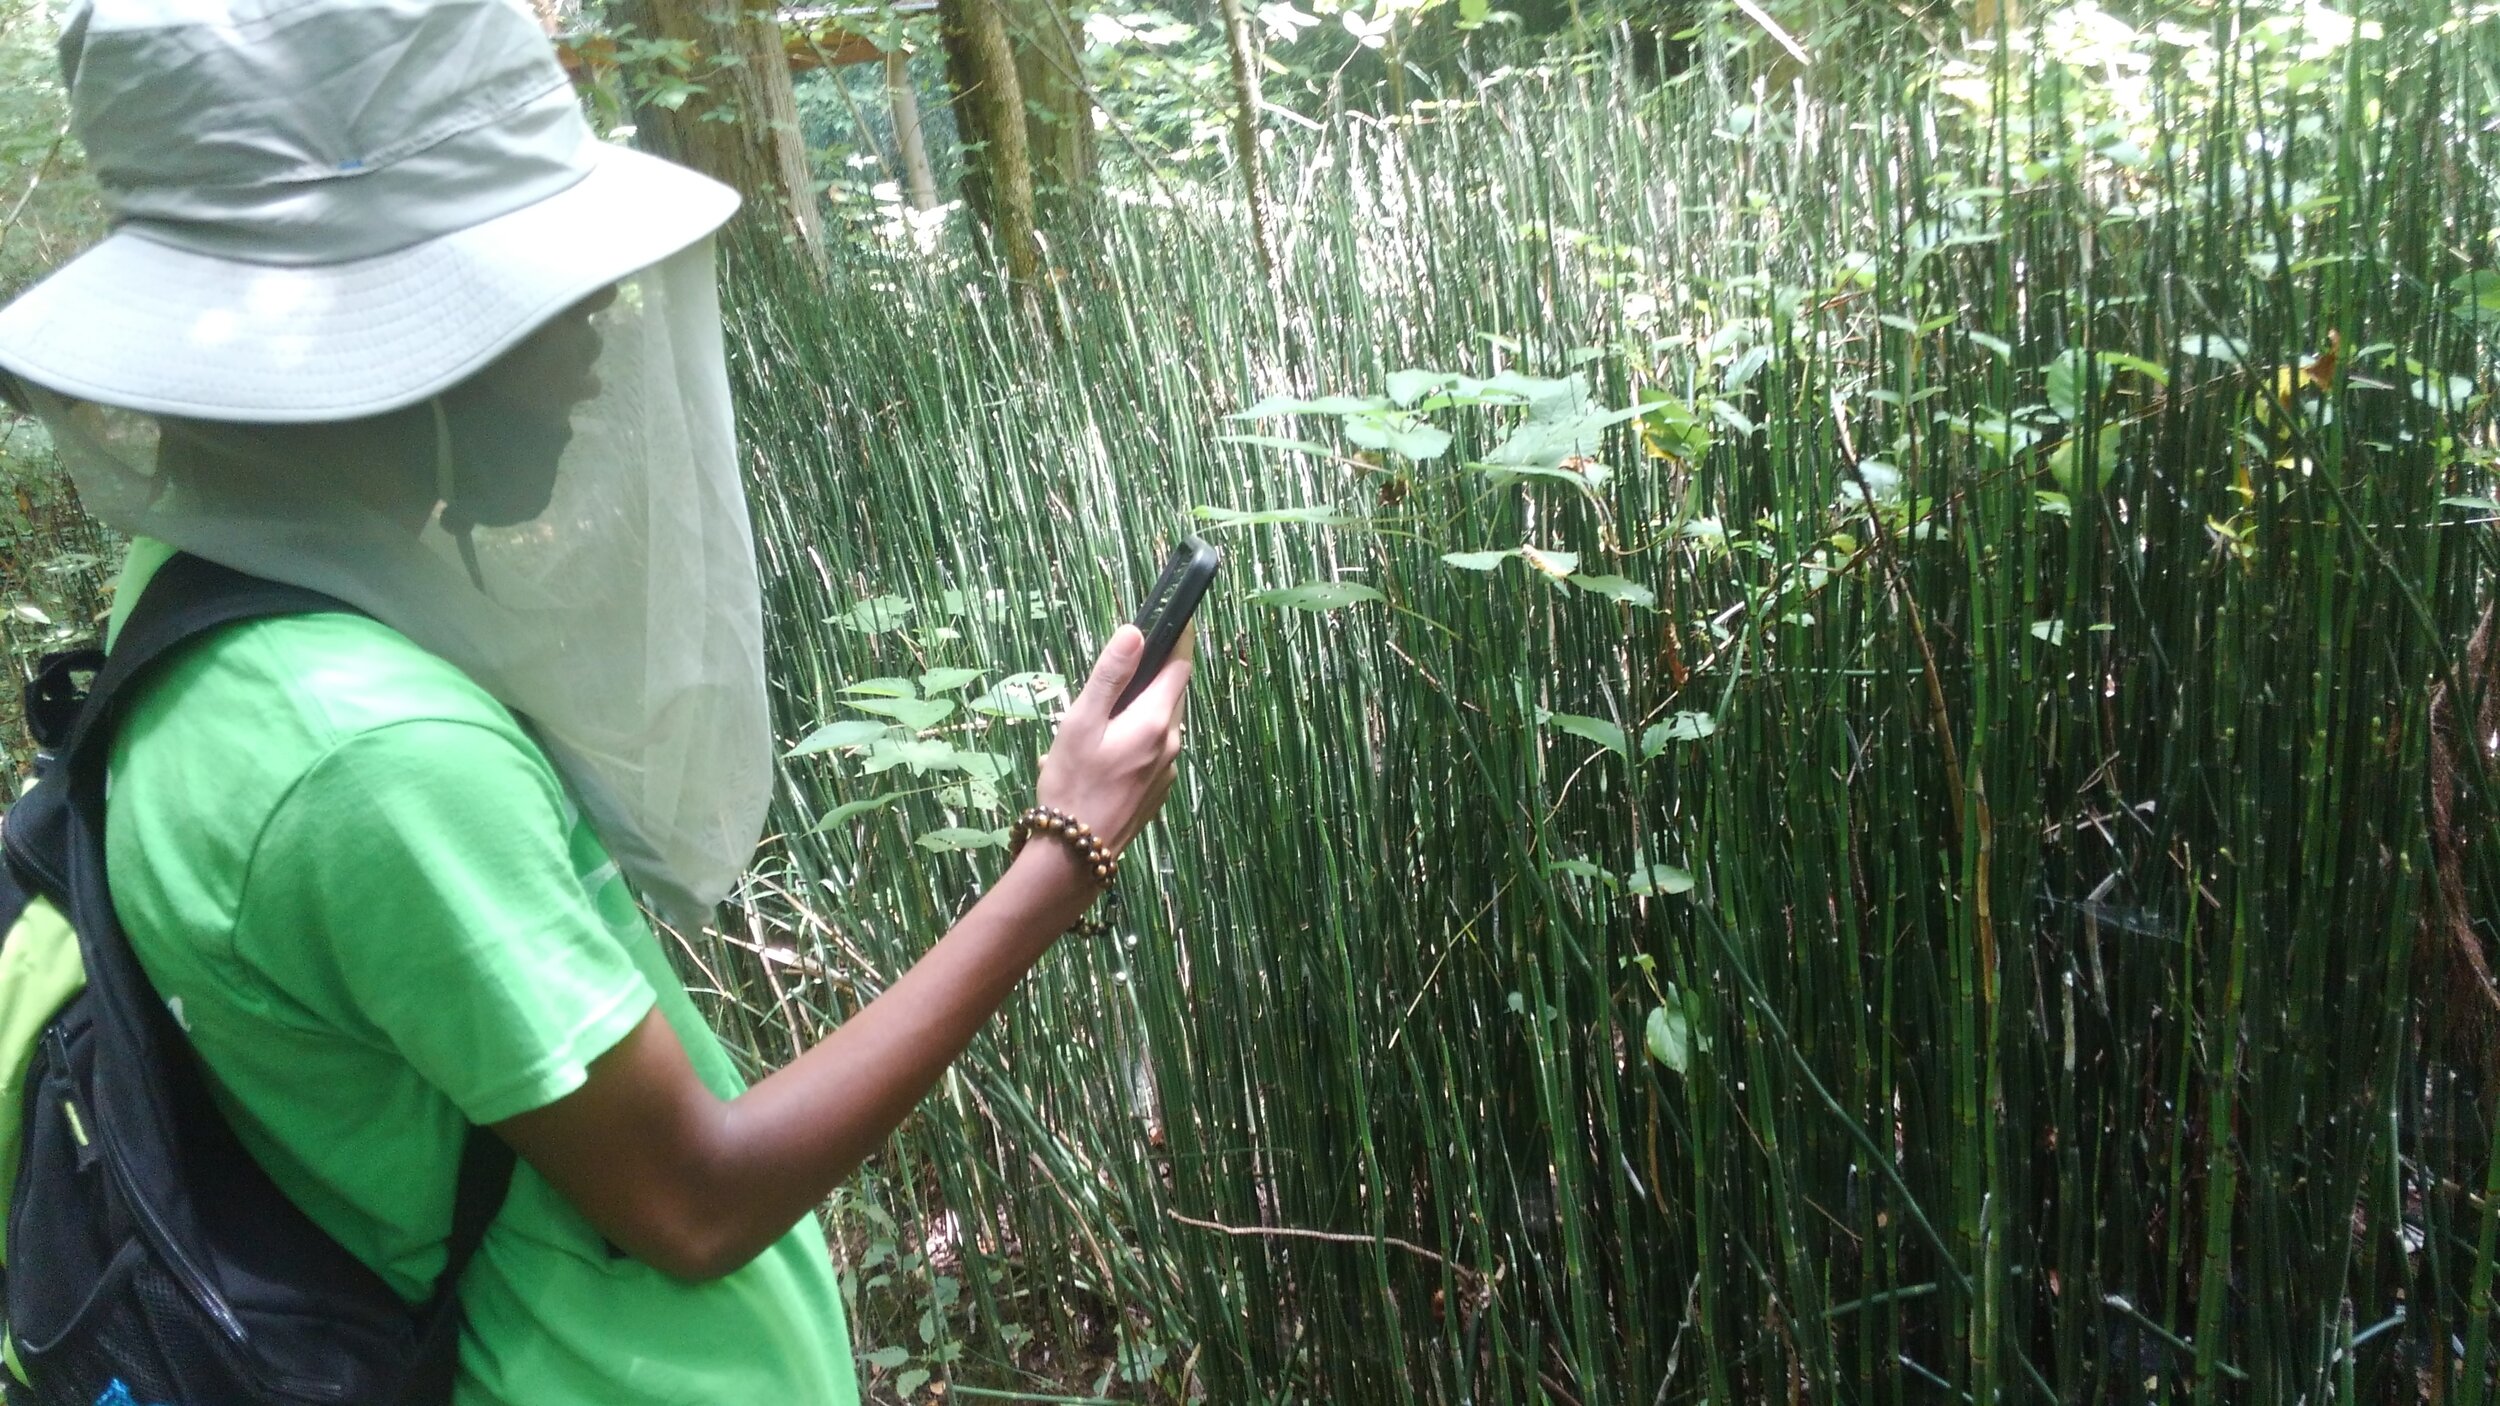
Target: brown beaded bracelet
1090, 847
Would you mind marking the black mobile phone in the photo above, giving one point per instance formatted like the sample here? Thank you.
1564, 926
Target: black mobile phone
1168, 609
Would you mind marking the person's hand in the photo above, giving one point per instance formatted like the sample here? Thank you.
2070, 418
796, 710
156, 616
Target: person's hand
1112, 772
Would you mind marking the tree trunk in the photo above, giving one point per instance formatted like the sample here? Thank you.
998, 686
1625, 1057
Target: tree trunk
989, 113
1058, 114
742, 128
919, 182
1246, 132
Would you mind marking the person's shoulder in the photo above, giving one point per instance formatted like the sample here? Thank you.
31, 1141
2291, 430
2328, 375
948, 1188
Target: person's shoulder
304, 684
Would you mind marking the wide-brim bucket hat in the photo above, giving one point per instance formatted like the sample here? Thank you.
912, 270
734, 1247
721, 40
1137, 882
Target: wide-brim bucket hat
328, 209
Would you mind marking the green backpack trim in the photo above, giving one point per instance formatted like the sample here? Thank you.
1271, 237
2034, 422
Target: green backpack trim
39, 972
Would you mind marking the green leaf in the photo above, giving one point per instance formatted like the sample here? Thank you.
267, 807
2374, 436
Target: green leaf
1668, 1037
848, 809
921, 754
1597, 730
1318, 515
1618, 588
2066, 384
1398, 434
1407, 387
850, 732
875, 616
1023, 695
1478, 561
980, 766
911, 1381
1276, 405
1583, 870
1318, 595
938, 681
1269, 441
1682, 727
886, 1359
1998, 347
2066, 462
1555, 564
1659, 879
957, 838
914, 713
883, 688
2475, 296
1545, 444
2149, 370
2053, 631
2214, 347
2471, 503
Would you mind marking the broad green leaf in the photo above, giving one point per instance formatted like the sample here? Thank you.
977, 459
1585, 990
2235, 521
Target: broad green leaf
1023, 695
849, 809
1659, 879
2053, 631
2471, 502
1545, 444
2066, 462
2214, 347
1318, 515
883, 688
2475, 296
1581, 869
1667, 1035
1398, 434
1597, 730
1276, 405
919, 753
938, 681
1478, 561
850, 732
973, 794
1618, 588
913, 713
1681, 727
1269, 441
876, 615
2065, 379
1997, 347
886, 1359
1318, 595
1407, 387
909, 1382
980, 766
1555, 564
2149, 370
956, 838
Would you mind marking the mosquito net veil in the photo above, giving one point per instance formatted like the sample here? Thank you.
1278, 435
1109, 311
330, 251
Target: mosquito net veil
567, 527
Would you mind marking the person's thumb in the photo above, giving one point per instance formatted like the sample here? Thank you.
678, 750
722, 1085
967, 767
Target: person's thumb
1111, 672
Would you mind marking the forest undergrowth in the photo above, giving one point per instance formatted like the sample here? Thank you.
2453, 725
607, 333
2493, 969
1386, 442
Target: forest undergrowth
1842, 754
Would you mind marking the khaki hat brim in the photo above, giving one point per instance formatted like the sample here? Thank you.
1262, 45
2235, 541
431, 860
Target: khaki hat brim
138, 323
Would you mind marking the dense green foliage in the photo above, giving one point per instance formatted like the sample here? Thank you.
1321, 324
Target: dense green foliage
1818, 784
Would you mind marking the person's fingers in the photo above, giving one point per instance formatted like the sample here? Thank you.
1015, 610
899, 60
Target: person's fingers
1112, 669
1161, 702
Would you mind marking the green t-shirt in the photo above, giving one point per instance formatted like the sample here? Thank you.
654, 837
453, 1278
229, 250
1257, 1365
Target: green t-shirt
365, 892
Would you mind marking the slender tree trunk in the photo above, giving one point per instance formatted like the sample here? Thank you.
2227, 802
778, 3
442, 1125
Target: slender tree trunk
989, 113
1246, 131
1058, 113
743, 127
919, 182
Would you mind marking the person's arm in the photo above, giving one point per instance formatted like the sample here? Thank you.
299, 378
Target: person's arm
696, 1185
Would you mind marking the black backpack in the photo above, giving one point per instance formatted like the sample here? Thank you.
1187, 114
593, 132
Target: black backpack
150, 1260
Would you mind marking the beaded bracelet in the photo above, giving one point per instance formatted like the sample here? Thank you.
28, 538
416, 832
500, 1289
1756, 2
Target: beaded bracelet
1090, 847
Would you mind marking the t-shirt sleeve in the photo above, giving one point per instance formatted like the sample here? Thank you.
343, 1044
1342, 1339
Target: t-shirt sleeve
416, 887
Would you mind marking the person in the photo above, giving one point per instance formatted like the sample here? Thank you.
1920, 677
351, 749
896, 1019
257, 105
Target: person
379, 316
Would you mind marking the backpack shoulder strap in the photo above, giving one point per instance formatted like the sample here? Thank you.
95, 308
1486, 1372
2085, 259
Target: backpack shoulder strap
186, 598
